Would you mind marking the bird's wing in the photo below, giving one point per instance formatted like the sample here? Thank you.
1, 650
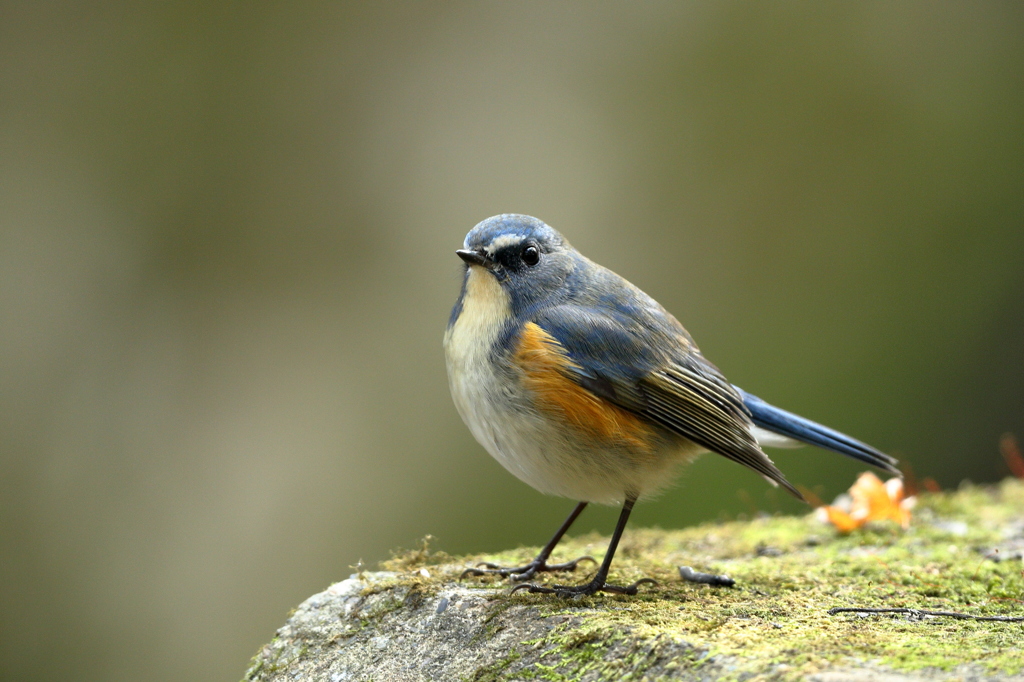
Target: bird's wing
652, 369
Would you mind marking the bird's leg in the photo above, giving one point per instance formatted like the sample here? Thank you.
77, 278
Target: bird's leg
598, 583
540, 562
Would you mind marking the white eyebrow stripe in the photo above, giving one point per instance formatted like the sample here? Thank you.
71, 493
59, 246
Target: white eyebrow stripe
505, 240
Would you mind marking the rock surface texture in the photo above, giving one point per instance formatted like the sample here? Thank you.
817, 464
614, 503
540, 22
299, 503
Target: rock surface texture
962, 554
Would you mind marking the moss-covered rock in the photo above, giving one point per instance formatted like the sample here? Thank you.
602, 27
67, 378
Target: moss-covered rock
416, 621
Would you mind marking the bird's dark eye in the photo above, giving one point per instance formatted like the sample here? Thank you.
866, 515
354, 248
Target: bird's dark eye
531, 255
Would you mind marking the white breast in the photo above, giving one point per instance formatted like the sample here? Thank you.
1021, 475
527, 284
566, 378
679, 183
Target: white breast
475, 383
498, 411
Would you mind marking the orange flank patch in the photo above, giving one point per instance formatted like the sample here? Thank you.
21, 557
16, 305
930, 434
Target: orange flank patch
546, 367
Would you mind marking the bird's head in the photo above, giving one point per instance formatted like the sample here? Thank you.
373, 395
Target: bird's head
529, 259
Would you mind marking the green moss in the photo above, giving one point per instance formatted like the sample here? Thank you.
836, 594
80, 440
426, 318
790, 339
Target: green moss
571, 651
774, 624
408, 560
778, 613
495, 671
492, 622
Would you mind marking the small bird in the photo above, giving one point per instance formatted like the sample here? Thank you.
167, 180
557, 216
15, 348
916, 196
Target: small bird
583, 386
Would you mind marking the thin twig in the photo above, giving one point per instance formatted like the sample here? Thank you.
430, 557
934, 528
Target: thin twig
921, 613
690, 575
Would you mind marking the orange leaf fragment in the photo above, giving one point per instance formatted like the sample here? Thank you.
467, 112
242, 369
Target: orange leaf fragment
1011, 453
870, 500
843, 522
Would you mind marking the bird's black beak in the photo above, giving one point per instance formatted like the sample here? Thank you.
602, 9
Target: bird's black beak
475, 258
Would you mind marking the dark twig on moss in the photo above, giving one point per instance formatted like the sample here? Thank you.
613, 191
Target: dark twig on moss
690, 575
918, 614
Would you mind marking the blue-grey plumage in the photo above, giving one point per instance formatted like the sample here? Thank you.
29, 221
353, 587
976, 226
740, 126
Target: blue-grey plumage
584, 386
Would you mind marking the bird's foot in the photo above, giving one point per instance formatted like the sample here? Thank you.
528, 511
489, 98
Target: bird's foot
521, 573
593, 587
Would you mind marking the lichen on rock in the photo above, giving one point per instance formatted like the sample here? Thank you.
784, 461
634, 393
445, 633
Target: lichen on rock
417, 621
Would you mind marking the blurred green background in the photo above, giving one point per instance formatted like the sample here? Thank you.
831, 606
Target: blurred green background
226, 263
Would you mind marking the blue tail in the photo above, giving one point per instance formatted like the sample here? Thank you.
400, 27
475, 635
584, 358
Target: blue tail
804, 430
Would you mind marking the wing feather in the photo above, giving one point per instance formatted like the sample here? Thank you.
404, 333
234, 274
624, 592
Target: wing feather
648, 365
679, 400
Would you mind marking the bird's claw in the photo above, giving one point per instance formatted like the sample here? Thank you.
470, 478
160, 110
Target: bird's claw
593, 587
520, 573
